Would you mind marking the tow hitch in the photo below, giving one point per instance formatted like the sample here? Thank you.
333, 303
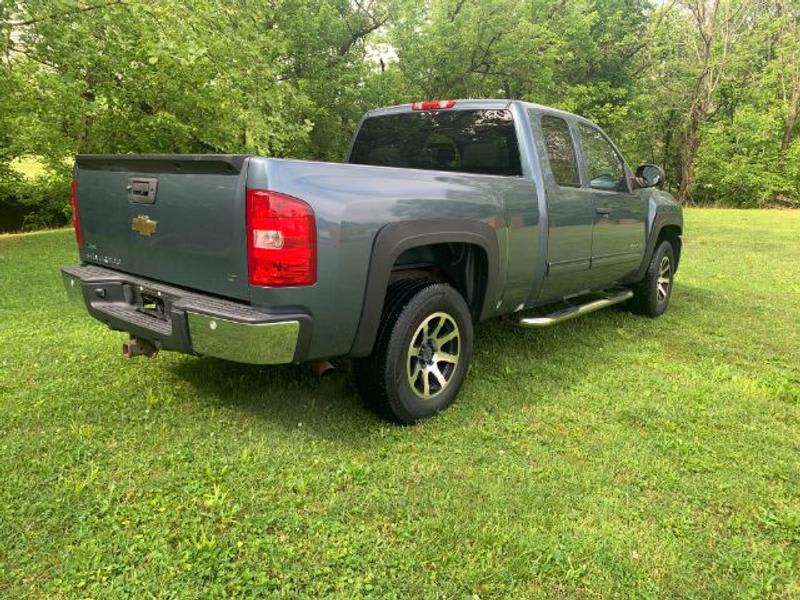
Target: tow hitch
138, 347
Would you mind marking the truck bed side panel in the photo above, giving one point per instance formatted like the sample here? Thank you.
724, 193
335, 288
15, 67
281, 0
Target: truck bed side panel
352, 202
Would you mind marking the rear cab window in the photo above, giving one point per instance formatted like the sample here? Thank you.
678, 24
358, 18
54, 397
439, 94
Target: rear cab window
466, 141
560, 151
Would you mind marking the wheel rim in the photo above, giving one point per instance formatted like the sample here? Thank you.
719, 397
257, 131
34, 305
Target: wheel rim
664, 279
433, 355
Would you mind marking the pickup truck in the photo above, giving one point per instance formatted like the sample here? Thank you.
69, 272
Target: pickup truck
445, 213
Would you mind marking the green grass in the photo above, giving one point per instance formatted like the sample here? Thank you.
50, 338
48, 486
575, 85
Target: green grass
612, 456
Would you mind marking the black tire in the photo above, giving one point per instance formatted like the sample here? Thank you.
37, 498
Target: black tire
392, 380
651, 295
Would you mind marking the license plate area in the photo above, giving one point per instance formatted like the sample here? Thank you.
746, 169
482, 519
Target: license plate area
152, 305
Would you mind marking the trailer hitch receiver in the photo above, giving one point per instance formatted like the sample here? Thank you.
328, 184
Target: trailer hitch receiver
139, 347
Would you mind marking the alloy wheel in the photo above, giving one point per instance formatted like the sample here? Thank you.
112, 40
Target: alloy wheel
433, 355
664, 279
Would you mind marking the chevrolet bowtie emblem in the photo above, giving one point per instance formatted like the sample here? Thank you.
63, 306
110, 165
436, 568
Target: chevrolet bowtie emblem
144, 225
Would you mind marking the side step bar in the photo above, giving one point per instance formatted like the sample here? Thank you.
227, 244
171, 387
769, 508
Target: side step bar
565, 314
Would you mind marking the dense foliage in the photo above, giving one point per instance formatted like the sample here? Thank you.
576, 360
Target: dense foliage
708, 88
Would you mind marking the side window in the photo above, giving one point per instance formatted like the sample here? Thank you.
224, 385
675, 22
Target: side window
560, 151
602, 161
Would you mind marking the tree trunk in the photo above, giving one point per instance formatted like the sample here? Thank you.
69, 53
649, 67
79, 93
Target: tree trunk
791, 120
698, 113
791, 43
705, 14
691, 143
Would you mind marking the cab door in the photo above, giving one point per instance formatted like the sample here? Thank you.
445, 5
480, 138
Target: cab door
618, 234
570, 209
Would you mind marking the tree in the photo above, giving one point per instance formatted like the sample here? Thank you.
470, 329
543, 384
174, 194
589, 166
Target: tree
704, 87
716, 26
188, 76
788, 56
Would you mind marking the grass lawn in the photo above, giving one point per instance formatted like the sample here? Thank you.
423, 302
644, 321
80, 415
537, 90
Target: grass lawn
611, 456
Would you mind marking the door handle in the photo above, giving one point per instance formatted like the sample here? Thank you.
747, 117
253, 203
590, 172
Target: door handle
603, 210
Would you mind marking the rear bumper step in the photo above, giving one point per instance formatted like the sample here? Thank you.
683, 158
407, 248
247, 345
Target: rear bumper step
185, 321
565, 314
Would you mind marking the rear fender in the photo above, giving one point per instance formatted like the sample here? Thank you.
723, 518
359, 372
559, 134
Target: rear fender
394, 239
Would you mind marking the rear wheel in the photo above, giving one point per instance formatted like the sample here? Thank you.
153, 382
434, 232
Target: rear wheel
651, 295
421, 355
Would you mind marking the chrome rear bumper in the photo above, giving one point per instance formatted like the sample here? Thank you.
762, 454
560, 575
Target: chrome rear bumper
187, 321
257, 343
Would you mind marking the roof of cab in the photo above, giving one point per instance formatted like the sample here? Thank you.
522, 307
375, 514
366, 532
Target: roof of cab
474, 104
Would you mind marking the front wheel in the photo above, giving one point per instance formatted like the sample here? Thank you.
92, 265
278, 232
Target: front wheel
651, 295
421, 355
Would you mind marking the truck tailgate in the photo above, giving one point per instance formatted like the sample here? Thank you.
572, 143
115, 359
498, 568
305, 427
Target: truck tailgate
179, 219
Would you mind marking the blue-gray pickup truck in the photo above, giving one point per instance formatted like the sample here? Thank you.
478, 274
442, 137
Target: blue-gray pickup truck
445, 213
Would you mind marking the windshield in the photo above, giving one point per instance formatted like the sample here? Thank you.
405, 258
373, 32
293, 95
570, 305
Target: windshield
468, 141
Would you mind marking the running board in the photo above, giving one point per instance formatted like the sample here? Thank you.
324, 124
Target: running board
565, 314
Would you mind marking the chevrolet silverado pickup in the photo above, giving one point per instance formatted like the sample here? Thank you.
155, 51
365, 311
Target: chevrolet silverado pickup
444, 214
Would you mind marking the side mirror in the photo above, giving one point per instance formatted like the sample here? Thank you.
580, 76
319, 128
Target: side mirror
650, 176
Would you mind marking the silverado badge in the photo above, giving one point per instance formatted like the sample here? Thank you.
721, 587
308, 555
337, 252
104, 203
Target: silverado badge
144, 225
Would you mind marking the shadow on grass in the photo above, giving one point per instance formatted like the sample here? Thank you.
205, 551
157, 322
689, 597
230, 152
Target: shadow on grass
291, 396
506, 357
685, 296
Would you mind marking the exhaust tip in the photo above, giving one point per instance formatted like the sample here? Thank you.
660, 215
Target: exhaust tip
322, 368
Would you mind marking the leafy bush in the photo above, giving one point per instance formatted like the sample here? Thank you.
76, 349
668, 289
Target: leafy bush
736, 164
28, 204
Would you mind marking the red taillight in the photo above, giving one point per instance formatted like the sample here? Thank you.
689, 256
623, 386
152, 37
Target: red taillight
281, 240
76, 221
433, 104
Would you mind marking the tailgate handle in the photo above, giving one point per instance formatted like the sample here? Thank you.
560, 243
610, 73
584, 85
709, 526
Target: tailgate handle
142, 190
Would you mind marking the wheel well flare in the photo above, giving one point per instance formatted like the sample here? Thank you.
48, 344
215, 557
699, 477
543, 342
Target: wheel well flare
459, 264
